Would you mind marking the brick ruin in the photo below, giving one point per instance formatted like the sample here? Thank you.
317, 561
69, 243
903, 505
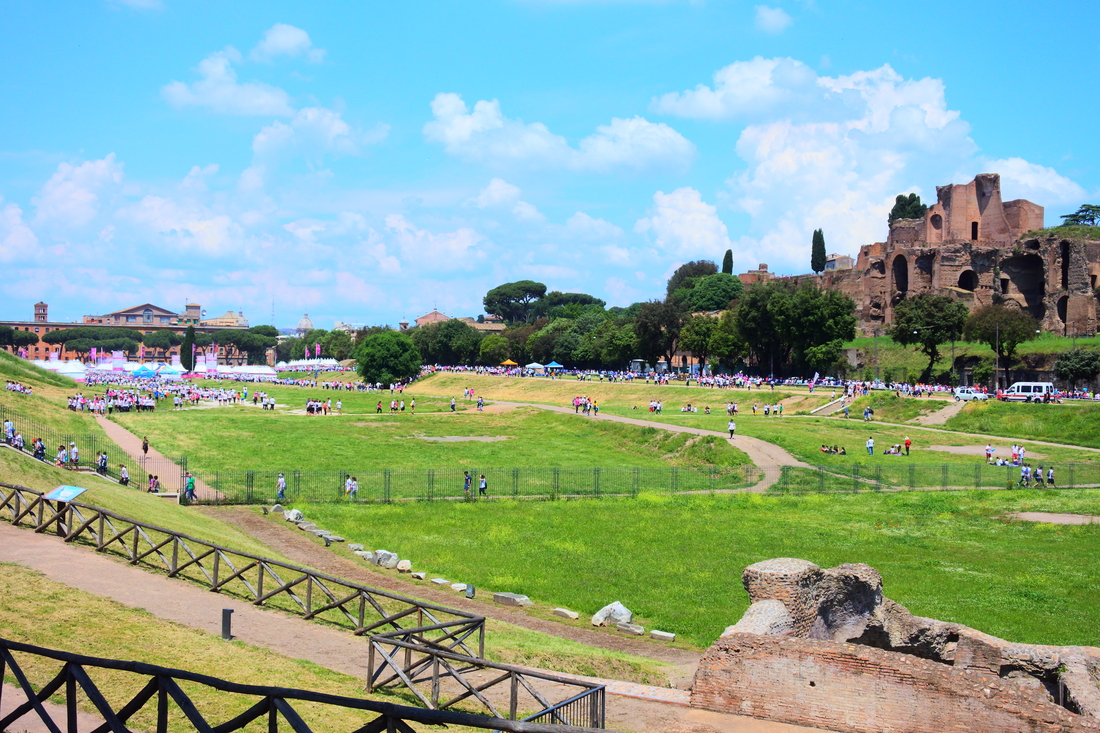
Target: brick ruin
974, 247
826, 649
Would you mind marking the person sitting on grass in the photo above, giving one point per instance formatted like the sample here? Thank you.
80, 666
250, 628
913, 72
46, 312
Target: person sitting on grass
842, 452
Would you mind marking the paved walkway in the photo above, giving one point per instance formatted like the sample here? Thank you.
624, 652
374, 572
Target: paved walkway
1050, 518
153, 462
635, 707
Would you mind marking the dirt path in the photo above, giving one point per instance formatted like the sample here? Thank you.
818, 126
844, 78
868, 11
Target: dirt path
13, 697
941, 416
760, 452
1050, 518
190, 605
154, 461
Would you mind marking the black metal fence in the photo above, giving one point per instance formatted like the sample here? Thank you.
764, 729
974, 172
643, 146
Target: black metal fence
168, 470
904, 476
277, 707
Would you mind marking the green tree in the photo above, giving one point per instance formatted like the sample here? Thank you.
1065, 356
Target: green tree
187, 359
758, 327
696, 337
999, 325
727, 262
514, 301
613, 343
23, 339
714, 292
657, 328
448, 342
1077, 365
493, 349
565, 305
337, 345
82, 347
688, 273
726, 343
5, 335
265, 330
928, 320
387, 357
1087, 215
907, 207
817, 251
815, 322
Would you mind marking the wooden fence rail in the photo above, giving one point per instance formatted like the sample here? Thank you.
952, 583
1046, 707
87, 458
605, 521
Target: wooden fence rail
311, 594
163, 689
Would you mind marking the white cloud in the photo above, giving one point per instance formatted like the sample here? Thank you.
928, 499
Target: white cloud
427, 251
138, 4
312, 131
754, 88
501, 194
285, 40
772, 20
194, 229
1021, 179
72, 195
587, 227
682, 225
17, 240
219, 91
486, 135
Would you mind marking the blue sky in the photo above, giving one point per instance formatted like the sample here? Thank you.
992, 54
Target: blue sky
368, 161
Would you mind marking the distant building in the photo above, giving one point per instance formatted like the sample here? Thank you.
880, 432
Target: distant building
433, 317
759, 275
304, 326
839, 262
145, 314
229, 319
485, 326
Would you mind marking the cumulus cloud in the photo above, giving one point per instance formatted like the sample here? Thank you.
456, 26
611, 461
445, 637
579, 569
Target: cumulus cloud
772, 20
71, 197
425, 250
486, 135
218, 90
681, 224
17, 240
1021, 179
583, 226
193, 228
500, 194
286, 40
313, 131
749, 89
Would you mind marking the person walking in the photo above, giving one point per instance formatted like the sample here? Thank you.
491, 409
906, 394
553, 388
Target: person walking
452, 404
466, 481
480, 404
145, 447
280, 488
908, 443
189, 488
412, 406
870, 446
353, 489
123, 475
732, 427
482, 485
1050, 476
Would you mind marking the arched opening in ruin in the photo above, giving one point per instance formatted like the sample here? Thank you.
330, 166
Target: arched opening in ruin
968, 280
922, 270
937, 221
974, 230
1026, 282
1065, 265
1063, 312
901, 274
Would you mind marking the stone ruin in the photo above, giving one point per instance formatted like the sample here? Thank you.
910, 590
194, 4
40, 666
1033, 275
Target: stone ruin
976, 248
826, 649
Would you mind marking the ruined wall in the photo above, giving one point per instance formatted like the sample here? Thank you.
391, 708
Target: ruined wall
847, 687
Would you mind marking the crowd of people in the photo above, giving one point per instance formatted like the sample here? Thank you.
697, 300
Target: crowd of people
19, 388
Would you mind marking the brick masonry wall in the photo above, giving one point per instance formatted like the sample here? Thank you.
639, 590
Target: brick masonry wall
858, 689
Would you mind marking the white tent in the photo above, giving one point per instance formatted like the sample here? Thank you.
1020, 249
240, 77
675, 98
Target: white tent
534, 365
74, 370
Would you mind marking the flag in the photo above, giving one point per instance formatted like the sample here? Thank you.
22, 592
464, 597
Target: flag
142, 350
93, 355
318, 351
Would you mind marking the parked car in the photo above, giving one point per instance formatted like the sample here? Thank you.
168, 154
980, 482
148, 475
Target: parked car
1029, 392
966, 394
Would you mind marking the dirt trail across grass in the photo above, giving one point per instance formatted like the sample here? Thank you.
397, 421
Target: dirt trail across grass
190, 605
941, 416
760, 452
131, 445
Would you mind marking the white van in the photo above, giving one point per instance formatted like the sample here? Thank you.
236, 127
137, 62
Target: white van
1028, 392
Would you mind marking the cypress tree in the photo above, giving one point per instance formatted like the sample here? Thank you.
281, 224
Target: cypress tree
727, 262
817, 252
186, 356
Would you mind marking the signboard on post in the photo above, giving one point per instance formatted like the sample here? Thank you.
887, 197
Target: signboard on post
64, 493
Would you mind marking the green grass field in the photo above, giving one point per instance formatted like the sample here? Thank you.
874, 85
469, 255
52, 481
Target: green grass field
677, 561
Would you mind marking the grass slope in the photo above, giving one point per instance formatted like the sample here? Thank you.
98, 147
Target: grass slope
677, 561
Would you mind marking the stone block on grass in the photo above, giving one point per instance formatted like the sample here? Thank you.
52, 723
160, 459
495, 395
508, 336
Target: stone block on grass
306, 526
294, 515
566, 613
662, 635
458, 587
440, 581
366, 555
354, 546
404, 566
335, 538
418, 576
511, 599
277, 508
611, 614
632, 629
386, 559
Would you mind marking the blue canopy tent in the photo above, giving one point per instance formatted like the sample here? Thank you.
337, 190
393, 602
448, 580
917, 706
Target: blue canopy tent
143, 372
554, 365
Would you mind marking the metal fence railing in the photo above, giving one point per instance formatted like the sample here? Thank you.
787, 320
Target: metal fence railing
904, 476
170, 693
168, 470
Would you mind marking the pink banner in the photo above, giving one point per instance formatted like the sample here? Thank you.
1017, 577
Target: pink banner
318, 351
93, 354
